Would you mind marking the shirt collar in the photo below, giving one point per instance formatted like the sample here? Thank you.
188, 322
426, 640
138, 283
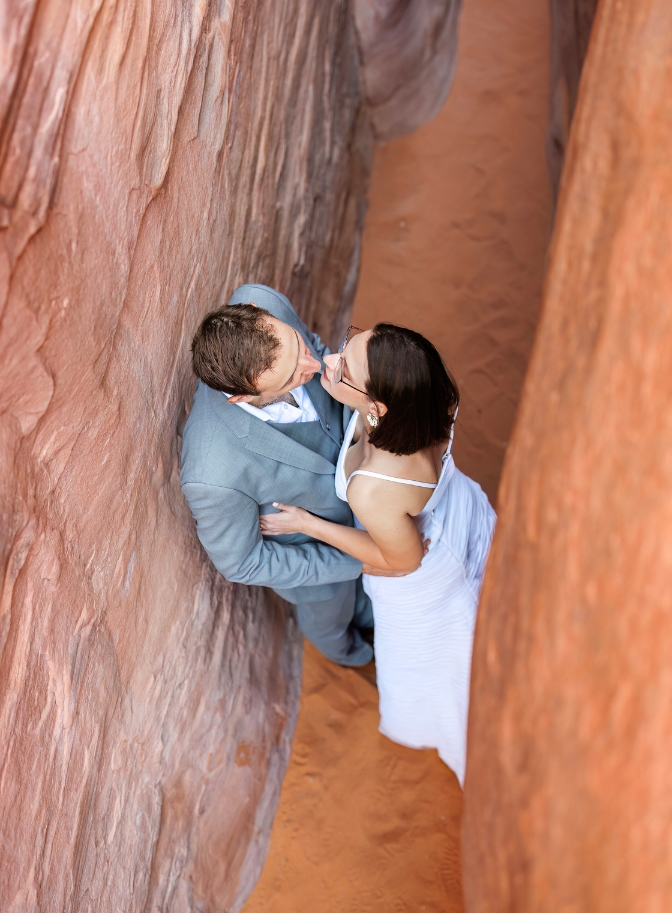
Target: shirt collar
298, 393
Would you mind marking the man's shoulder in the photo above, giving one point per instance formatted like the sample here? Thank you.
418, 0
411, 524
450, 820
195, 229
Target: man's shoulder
268, 298
280, 307
211, 444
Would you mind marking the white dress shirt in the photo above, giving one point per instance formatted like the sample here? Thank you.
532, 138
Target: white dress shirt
283, 412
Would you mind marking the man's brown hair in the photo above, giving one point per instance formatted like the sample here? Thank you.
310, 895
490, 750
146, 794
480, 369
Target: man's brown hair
232, 347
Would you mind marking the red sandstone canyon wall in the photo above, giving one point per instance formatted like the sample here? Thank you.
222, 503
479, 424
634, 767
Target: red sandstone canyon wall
567, 799
152, 157
408, 51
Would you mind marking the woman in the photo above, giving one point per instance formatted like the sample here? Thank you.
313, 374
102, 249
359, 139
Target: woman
397, 473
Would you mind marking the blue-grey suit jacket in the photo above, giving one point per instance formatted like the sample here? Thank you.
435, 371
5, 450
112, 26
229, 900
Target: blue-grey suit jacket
234, 466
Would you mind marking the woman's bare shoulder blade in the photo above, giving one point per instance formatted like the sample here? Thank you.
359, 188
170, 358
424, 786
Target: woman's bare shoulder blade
368, 495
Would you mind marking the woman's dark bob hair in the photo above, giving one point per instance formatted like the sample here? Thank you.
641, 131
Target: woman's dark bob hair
408, 375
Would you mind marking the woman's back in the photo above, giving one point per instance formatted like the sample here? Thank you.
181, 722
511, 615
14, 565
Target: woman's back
419, 472
424, 621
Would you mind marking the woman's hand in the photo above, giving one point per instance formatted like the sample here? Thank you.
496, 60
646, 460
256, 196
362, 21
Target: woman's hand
289, 519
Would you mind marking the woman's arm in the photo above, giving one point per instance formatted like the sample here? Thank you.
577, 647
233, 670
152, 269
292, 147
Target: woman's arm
391, 540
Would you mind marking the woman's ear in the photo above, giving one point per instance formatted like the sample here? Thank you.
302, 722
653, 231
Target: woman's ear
378, 409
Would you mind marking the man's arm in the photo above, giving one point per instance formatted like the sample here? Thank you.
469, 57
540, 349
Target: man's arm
227, 524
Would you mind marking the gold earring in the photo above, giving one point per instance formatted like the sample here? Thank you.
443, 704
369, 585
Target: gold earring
372, 420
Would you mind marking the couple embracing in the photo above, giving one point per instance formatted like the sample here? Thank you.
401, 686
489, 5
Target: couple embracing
329, 478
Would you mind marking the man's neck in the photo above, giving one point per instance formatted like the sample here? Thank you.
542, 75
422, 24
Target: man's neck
260, 401
267, 400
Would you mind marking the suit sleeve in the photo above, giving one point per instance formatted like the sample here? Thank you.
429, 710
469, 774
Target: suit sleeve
227, 524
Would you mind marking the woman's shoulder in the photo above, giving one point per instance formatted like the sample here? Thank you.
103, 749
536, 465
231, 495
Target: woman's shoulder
381, 507
370, 493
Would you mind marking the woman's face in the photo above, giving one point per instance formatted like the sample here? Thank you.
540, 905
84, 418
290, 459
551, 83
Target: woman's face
354, 368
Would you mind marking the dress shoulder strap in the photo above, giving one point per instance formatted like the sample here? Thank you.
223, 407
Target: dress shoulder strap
378, 475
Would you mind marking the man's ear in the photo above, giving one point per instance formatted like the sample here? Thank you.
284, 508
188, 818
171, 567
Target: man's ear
243, 398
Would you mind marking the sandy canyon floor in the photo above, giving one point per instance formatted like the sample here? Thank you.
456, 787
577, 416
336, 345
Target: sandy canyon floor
454, 246
363, 824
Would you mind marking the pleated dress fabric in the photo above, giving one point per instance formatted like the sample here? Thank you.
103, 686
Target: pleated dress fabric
424, 622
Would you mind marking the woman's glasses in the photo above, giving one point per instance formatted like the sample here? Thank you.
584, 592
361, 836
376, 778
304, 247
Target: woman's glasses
352, 331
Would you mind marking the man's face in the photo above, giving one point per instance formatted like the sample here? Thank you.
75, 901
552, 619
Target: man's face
293, 366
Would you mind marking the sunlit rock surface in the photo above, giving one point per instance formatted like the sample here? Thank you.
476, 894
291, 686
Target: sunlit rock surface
152, 157
571, 23
568, 802
409, 52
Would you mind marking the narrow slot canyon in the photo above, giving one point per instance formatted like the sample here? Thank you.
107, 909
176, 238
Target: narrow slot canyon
494, 176
454, 246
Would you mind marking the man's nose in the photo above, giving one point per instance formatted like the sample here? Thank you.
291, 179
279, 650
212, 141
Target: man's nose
310, 363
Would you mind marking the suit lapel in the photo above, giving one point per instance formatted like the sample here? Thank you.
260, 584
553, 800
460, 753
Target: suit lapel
269, 442
262, 438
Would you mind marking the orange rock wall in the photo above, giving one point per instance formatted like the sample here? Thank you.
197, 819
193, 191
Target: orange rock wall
151, 158
567, 799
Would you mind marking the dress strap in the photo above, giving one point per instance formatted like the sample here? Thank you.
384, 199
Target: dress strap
378, 475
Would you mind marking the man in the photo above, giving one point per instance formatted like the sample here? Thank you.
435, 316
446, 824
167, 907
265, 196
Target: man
263, 429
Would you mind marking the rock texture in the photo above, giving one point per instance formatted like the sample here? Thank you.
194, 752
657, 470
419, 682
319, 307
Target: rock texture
567, 802
152, 156
571, 22
409, 51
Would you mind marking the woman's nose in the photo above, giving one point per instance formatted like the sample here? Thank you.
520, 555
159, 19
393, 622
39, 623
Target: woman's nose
331, 361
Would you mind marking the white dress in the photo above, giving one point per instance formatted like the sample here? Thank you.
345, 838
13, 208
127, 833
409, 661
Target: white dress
424, 622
